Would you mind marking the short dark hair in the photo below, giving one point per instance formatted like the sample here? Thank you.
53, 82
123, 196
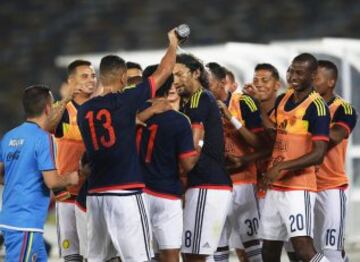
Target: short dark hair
194, 64
109, 66
165, 87
35, 98
268, 67
307, 58
330, 66
217, 70
74, 64
131, 65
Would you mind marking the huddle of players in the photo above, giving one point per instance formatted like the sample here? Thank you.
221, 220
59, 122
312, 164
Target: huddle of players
255, 139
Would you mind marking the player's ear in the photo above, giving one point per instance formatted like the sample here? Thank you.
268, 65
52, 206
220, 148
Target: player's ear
196, 74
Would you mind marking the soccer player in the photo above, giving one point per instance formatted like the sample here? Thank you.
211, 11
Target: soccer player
239, 142
134, 73
117, 220
302, 129
332, 182
162, 149
28, 166
208, 197
70, 149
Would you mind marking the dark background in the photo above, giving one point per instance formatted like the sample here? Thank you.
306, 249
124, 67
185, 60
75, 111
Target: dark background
34, 32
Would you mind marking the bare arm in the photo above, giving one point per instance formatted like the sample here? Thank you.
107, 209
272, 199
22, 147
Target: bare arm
337, 135
315, 157
188, 163
159, 105
54, 181
167, 63
249, 137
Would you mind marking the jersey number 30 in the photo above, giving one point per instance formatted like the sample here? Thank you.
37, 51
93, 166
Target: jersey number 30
106, 140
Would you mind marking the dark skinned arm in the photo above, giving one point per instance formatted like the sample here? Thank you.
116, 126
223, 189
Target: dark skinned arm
315, 157
337, 135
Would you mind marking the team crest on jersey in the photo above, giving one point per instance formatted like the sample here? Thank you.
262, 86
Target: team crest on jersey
66, 244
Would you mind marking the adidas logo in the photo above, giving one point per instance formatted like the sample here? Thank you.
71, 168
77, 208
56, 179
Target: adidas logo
206, 245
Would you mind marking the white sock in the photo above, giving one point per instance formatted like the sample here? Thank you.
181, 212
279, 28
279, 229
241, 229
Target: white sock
219, 256
333, 255
254, 253
319, 258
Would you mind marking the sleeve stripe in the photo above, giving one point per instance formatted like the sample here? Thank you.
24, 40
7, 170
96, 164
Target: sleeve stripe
195, 100
188, 154
152, 86
347, 108
250, 103
320, 107
320, 138
197, 125
344, 125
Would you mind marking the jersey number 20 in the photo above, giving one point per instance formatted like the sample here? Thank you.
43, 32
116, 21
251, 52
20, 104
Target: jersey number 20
104, 117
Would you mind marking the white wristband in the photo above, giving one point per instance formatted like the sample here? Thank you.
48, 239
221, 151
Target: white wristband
201, 143
236, 123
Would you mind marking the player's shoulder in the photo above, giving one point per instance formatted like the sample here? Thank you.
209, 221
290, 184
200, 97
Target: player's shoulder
317, 104
344, 105
248, 101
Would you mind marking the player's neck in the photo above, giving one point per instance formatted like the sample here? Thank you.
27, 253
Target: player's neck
110, 89
300, 95
40, 121
328, 96
197, 86
175, 105
269, 104
81, 98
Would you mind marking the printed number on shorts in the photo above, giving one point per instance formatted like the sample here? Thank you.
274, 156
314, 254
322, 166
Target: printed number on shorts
296, 222
253, 226
330, 238
108, 138
188, 238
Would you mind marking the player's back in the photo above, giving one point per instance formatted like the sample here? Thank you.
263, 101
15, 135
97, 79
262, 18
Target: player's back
107, 124
25, 197
166, 138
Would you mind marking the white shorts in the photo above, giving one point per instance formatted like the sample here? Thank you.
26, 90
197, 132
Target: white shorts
287, 214
68, 240
204, 218
166, 217
245, 215
118, 226
81, 230
330, 213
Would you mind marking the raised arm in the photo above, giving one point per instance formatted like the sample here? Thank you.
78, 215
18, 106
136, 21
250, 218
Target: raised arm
167, 63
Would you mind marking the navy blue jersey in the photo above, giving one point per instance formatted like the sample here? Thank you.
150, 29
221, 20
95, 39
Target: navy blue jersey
318, 122
167, 137
107, 125
345, 115
209, 171
250, 114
